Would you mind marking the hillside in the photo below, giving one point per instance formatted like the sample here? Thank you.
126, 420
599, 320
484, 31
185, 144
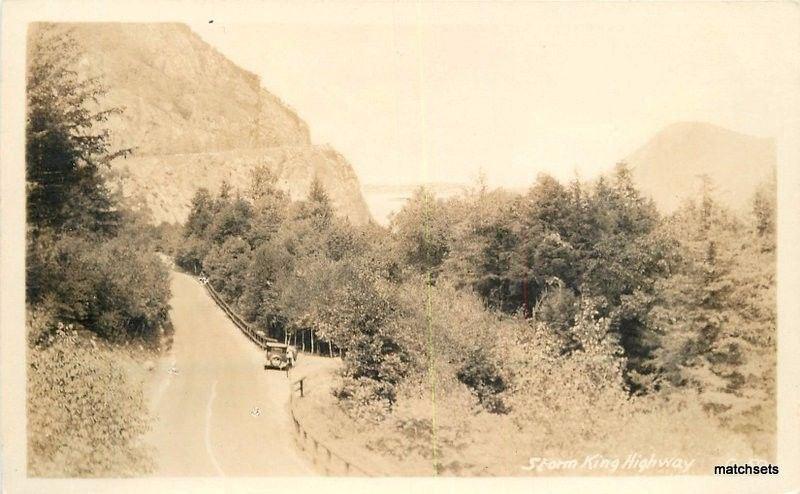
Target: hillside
166, 183
193, 118
668, 166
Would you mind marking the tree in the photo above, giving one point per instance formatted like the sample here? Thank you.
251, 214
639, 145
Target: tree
697, 343
484, 234
270, 206
547, 207
317, 193
317, 206
191, 253
763, 212
262, 184
200, 215
423, 232
231, 219
227, 265
67, 148
259, 300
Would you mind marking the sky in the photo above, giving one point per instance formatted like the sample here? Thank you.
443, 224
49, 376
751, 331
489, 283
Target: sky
442, 93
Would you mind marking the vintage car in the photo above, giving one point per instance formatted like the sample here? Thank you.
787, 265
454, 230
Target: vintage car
279, 355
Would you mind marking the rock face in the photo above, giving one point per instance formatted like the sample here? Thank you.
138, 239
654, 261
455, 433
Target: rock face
669, 166
194, 119
166, 183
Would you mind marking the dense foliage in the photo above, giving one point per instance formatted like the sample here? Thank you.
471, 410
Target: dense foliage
572, 318
83, 420
91, 266
66, 145
563, 312
87, 256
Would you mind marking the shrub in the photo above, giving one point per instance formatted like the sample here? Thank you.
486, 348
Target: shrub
364, 399
485, 378
190, 253
85, 418
112, 288
560, 398
227, 267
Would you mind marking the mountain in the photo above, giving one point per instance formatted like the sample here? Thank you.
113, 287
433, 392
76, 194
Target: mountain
194, 119
668, 167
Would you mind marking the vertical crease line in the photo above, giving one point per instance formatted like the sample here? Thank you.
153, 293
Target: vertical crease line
426, 212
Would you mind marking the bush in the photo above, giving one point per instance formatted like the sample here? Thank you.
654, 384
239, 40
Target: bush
190, 253
364, 399
112, 288
85, 418
227, 266
560, 391
485, 378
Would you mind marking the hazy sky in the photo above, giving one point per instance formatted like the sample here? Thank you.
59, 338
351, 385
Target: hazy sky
428, 95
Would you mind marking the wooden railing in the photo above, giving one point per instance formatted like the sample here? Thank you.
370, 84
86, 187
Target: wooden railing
323, 456
254, 335
299, 384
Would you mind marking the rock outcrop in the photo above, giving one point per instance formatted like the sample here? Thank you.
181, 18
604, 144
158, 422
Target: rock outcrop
165, 183
193, 119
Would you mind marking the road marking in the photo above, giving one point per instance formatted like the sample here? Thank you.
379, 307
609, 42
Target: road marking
208, 430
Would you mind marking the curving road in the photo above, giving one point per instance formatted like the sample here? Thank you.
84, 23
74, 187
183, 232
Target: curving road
217, 411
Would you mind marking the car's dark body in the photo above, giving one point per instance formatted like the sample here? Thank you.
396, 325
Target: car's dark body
279, 355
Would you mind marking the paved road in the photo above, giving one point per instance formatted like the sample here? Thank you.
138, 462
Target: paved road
218, 412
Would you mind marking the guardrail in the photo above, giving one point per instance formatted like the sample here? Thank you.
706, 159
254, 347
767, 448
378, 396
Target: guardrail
240, 323
323, 456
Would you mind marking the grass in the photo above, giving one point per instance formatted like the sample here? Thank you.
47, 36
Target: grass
473, 442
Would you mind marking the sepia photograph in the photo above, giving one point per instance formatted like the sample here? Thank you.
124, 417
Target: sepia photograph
423, 240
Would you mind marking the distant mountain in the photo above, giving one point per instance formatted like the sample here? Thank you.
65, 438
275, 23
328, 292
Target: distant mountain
195, 119
669, 165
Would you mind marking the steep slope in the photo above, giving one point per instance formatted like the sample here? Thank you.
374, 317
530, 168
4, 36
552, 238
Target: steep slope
192, 116
180, 95
166, 183
669, 166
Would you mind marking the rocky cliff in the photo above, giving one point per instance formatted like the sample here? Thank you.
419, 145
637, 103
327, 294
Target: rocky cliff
165, 183
194, 119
